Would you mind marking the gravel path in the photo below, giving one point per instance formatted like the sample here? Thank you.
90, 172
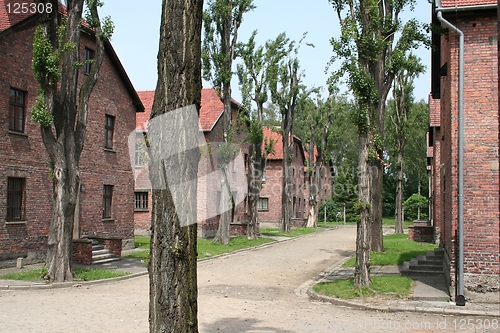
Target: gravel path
252, 291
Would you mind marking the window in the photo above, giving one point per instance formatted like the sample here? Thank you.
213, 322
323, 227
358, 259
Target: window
17, 110
141, 200
107, 199
141, 157
263, 204
109, 128
15, 199
89, 57
264, 175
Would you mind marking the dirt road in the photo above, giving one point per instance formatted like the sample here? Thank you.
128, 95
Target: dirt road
252, 291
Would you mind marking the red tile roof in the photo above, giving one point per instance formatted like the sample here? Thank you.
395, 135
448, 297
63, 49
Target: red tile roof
147, 98
210, 112
465, 3
434, 112
278, 145
211, 109
306, 153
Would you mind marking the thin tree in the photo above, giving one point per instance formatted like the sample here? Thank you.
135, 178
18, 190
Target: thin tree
222, 19
252, 75
316, 117
61, 109
174, 116
367, 45
285, 85
403, 102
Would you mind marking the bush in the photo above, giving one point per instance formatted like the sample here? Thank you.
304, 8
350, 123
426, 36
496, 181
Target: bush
413, 203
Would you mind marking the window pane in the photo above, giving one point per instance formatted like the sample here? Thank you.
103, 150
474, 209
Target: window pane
15, 199
107, 200
141, 200
108, 131
16, 110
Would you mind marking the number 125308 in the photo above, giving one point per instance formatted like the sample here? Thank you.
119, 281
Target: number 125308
29, 8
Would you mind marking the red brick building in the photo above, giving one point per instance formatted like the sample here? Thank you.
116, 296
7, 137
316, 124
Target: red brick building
105, 207
209, 189
269, 205
477, 20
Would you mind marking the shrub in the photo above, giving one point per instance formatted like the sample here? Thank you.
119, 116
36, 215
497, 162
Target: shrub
413, 204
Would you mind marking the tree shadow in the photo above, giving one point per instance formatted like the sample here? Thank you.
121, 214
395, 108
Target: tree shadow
239, 324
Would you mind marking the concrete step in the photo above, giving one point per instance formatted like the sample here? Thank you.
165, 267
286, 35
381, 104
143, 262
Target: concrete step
103, 256
430, 263
97, 247
425, 267
104, 261
99, 252
420, 273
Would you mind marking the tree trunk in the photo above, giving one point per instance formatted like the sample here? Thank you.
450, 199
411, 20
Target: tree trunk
363, 238
60, 241
377, 170
399, 189
314, 188
64, 137
226, 208
377, 165
287, 184
172, 267
256, 166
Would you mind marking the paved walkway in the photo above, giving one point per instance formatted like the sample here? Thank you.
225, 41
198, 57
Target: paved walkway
265, 289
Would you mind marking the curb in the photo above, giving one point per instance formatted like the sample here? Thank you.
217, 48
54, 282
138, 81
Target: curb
78, 284
431, 307
417, 307
75, 284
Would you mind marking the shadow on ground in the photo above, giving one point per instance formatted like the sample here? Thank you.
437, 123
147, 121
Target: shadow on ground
238, 324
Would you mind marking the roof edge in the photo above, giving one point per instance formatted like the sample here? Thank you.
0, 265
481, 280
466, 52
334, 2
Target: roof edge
440, 8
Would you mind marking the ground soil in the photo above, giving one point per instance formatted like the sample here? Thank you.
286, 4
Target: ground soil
252, 291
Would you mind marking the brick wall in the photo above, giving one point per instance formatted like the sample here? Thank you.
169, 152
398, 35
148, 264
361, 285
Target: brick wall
82, 251
272, 188
23, 155
481, 204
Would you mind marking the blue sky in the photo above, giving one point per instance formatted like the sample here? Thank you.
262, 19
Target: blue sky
136, 36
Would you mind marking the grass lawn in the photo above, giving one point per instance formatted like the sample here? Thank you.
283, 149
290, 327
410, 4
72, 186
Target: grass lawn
398, 249
81, 274
385, 286
391, 221
205, 247
208, 249
294, 233
142, 241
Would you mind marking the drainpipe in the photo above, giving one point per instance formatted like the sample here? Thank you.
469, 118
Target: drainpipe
460, 298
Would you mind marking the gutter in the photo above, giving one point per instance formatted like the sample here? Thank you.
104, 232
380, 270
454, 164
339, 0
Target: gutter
462, 8
459, 297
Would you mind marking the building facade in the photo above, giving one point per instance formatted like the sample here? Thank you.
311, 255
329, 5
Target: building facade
477, 20
105, 206
270, 202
